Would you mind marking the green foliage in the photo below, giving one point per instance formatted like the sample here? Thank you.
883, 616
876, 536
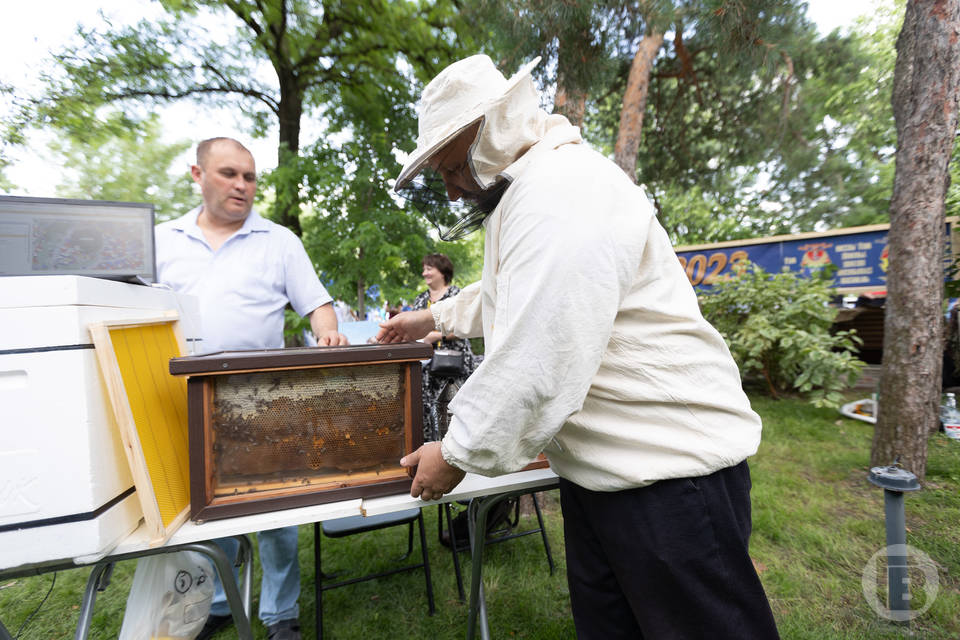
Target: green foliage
293, 328
778, 327
839, 172
5, 184
356, 231
573, 37
285, 59
782, 130
7, 139
700, 215
132, 167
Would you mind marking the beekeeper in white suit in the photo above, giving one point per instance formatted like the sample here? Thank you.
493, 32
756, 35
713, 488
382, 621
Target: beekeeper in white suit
596, 354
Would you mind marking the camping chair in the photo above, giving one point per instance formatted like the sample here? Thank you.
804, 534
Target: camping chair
349, 526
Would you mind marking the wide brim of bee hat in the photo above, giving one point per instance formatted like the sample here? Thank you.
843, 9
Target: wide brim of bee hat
457, 98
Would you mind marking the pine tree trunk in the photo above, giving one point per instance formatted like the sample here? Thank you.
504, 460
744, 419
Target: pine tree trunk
571, 104
634, 104
926, 92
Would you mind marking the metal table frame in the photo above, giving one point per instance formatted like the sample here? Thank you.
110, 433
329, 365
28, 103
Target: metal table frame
477, 518
100, 578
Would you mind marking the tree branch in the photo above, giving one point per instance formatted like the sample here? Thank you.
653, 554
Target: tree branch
245, 16
171, 95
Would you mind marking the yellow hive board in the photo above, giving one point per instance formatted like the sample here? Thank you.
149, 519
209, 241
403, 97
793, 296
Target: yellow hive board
151, 410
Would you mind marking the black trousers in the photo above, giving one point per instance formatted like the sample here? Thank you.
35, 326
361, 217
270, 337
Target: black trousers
665, 561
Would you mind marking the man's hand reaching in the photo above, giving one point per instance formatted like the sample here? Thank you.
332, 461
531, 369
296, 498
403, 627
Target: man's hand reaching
332, 339
406, 327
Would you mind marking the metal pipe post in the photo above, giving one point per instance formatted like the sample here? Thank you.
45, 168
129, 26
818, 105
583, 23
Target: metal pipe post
898, 576
894, 480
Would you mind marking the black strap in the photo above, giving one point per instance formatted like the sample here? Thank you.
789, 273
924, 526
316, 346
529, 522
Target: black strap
76, 517
61, 347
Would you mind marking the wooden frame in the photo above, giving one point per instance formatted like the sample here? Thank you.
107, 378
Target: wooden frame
151, 410
214, 498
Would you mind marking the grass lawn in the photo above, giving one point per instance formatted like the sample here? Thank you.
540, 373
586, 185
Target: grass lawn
817, 523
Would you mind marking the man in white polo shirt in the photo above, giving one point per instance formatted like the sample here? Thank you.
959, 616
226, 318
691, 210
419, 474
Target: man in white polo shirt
244, 270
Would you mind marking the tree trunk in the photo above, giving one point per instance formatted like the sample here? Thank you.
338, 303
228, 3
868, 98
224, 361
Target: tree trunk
925, 104
575, 54
287, 204
634, 104
571, 104
361, 300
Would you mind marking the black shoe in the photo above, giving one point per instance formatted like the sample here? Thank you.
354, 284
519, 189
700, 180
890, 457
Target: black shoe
460, 527
498, 521
214, 624
284, 630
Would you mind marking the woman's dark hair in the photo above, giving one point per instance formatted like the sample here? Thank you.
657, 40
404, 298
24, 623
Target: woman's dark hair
442, 264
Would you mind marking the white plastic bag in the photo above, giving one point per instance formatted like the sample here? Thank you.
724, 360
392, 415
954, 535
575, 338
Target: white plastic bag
170, 597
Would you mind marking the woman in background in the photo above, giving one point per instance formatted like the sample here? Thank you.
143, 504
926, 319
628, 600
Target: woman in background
438, 391
438, 273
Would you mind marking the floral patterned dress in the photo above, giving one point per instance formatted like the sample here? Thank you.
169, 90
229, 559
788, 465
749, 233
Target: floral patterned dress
433, 404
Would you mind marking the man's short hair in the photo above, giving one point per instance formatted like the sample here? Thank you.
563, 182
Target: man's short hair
203, 149
442, 264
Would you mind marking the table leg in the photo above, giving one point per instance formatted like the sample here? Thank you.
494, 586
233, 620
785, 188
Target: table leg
245, 559
239, 605
89, 599
477, 521
454, 543
4, 634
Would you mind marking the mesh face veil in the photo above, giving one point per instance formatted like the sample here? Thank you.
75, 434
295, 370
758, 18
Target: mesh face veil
469, 91
453, 219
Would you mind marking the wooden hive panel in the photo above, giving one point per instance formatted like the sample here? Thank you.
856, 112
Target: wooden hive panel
305, 427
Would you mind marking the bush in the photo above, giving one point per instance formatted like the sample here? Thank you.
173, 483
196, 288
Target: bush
778, 327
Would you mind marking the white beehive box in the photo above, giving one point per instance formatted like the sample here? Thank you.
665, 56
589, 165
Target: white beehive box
65, 485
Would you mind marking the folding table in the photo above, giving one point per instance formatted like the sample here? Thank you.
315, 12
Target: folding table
483, 493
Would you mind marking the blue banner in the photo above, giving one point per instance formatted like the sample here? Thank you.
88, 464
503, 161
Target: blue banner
859, 255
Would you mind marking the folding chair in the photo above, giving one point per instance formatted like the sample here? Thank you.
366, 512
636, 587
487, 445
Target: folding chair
439, 417
504, 533
352, 525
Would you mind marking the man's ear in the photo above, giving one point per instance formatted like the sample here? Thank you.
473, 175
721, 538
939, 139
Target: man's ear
196, 172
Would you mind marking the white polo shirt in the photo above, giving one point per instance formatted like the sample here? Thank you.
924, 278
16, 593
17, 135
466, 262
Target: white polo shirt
242, 287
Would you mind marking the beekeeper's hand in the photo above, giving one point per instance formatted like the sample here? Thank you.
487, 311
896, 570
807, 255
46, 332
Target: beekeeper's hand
435, 477
406, 326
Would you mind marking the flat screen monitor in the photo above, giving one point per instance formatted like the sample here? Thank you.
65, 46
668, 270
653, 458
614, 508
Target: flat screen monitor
52, 236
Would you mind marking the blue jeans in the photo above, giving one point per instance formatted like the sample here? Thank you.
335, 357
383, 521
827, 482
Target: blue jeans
280, 584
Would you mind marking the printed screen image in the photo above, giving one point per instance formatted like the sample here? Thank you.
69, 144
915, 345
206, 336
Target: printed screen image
47, 236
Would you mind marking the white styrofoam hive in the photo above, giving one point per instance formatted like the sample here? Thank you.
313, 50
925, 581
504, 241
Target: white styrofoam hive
65, 485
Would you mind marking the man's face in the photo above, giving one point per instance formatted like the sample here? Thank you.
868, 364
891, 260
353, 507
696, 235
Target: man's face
228, 182
451, 163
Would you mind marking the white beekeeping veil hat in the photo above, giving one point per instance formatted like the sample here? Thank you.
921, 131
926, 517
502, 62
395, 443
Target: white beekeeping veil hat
473, 90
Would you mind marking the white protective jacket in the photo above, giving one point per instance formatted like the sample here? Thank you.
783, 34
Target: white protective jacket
596, 351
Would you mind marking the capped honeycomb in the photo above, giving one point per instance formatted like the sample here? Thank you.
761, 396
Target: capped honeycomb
300, 426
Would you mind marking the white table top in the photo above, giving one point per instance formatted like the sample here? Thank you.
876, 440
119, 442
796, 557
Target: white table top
472, 486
